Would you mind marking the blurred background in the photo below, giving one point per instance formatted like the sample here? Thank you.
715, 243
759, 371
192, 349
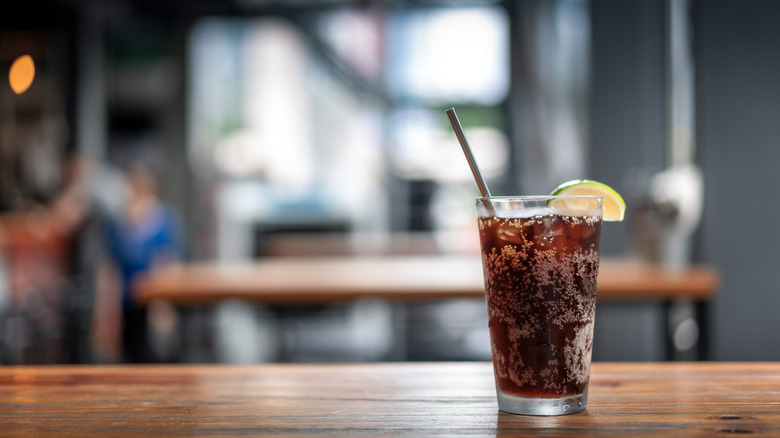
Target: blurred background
269, 128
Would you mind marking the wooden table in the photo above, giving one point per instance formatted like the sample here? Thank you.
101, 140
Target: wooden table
398, 399
289, 281
320, 280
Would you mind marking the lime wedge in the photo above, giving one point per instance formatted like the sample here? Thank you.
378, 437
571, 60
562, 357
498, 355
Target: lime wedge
613, 207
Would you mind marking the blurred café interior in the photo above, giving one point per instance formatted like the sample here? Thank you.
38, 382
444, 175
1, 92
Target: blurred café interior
270, 130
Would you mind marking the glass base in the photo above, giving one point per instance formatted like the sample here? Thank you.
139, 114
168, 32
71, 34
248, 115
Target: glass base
542, 406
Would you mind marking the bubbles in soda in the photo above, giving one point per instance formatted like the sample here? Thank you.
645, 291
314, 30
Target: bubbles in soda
540, 286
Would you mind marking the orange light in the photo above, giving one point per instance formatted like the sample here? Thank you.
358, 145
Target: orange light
21, 74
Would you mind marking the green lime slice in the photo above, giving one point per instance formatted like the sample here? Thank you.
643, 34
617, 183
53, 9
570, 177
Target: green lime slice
613, 207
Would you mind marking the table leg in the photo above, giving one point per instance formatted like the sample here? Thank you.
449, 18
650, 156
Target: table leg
702, 318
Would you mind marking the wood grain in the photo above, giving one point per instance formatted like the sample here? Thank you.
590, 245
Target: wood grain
319, 280
391, 399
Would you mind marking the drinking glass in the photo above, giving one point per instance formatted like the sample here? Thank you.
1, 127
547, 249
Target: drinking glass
540, 256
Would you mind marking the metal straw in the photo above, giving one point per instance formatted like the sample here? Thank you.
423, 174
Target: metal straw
483, 188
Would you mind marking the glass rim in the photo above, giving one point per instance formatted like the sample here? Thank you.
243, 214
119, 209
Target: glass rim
535, 197
509, 206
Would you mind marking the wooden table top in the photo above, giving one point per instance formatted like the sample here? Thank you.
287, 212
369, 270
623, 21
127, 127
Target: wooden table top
319, 280
384, 399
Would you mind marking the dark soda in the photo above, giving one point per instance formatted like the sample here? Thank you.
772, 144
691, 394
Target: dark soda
540, 286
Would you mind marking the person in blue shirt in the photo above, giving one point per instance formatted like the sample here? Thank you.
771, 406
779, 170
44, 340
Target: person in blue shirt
144, 236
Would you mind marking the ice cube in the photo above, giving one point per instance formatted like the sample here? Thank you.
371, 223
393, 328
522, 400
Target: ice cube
511, 231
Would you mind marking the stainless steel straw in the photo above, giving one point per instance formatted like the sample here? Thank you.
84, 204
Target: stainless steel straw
483, 188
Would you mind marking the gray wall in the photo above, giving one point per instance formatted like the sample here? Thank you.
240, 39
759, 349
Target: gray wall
739, 136
737, 45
